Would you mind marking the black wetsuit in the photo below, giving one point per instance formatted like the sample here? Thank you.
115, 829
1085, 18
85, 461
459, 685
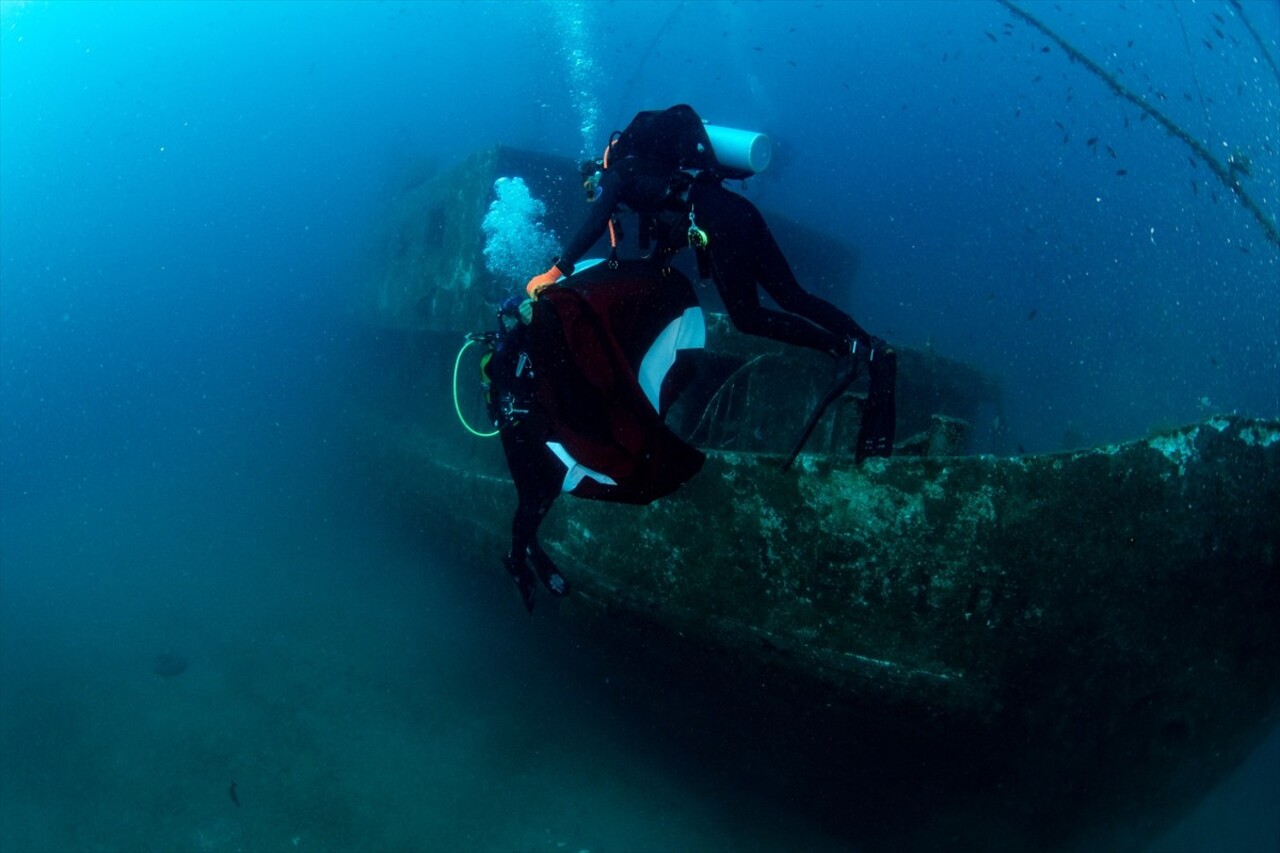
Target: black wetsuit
742, 254
566, 394
524, 431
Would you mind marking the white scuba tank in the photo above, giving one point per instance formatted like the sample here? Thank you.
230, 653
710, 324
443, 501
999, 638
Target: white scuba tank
745, 150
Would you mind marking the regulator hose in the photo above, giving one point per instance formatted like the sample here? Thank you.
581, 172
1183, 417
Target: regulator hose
458, 409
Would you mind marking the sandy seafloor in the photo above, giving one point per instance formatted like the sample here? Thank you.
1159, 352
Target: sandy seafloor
362, 693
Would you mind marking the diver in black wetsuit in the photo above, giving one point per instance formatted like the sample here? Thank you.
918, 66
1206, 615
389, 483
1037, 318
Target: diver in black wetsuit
663, 167
576, 412
524, 427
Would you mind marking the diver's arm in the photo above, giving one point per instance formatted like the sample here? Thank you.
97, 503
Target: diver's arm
596, 223
590, 231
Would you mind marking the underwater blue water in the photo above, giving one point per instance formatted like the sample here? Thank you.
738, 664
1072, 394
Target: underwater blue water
188, 193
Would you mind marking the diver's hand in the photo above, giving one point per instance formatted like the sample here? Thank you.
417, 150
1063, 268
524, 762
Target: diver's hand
526, 311
539, 283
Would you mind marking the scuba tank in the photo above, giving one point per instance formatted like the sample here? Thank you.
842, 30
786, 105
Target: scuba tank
679, 139
740, 150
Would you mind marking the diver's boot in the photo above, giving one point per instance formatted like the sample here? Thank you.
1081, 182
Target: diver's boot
547, 571
523, 577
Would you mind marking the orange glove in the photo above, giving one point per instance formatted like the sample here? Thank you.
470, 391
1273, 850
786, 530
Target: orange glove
539, 283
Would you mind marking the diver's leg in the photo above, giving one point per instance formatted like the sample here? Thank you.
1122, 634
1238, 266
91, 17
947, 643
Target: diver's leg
536, 490
753, 255
733, 225
775, 276
738, 291
539, 492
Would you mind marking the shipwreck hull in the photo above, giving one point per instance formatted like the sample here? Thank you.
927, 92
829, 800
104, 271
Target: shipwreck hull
1018, 652
937, 650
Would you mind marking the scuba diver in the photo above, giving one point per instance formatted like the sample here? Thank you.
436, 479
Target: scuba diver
578, 387
666, 167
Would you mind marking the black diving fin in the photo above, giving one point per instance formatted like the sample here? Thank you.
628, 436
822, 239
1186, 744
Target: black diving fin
547, 571
524, 579
879, 416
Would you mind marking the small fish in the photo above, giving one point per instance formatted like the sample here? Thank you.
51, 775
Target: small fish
792, 63
1195, 189
1207, 43
1192, 161
1214, 195
1122, 172
1126, 124
1130, 43
231, 792
1036, 79
1112, 152
1186, 96
1060, 126
1218, 18
1091, 141
1044, 49
1032, 315
989, 35
1218, 33
758, 49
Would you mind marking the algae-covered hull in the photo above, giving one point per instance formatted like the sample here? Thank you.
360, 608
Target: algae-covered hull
1013, 651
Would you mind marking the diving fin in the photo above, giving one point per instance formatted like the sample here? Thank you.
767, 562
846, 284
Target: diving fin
548, 572
879, 416
524, 579
846, 372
